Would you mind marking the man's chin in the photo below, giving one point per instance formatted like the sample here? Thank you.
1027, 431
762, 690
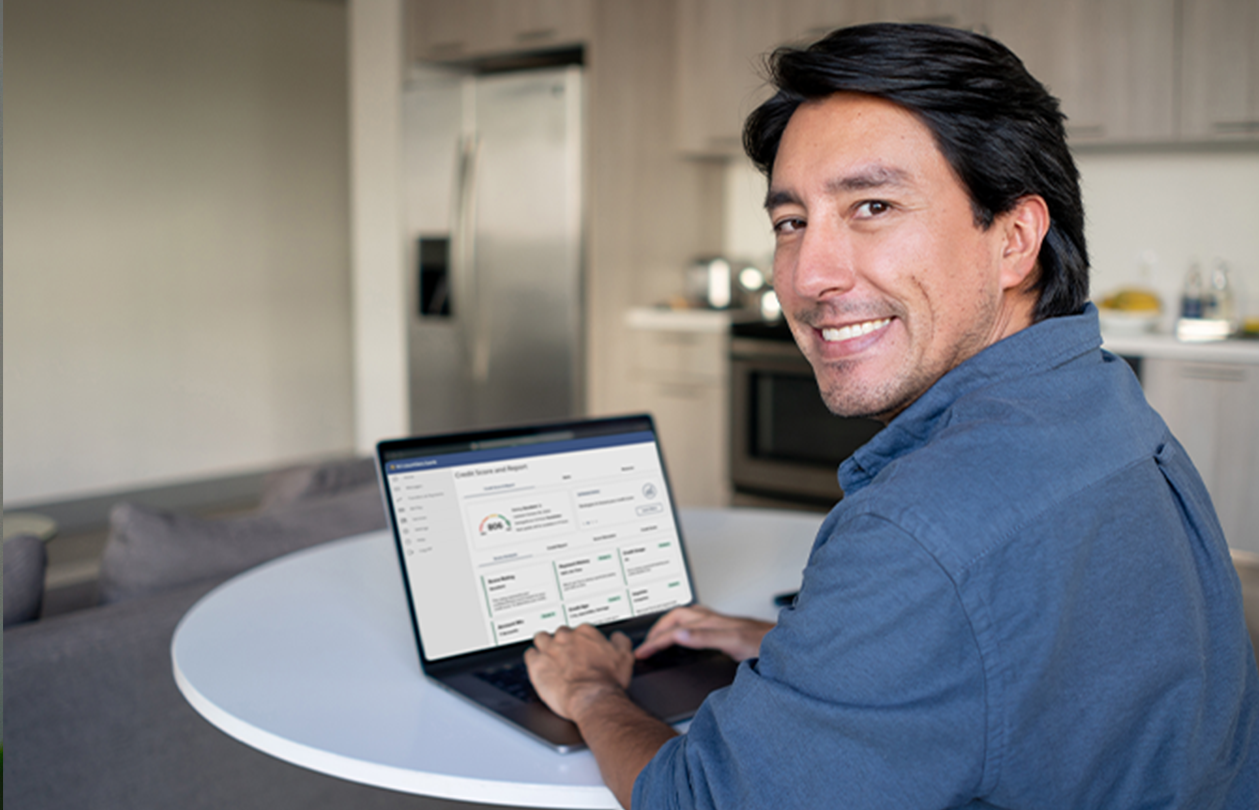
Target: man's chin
881, 406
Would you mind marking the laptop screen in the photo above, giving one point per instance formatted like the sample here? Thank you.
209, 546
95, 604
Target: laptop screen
503, 534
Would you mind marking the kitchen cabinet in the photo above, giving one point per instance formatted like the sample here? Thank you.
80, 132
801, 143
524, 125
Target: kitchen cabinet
1211, 408
1127, 71
810, 19
1220, 70
679, 374
719, 47
722, 43
1112, 63
445, 31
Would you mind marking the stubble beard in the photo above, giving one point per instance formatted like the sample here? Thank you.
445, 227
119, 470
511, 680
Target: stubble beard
842, 395
895, 389
843, 398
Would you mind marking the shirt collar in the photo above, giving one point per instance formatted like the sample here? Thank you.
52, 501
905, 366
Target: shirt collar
1038, 348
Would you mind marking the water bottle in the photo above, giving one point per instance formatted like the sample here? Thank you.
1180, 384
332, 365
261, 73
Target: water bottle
1192, 294
1223, 303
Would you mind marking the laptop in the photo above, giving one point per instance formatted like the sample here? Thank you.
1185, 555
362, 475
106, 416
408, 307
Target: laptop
506, 532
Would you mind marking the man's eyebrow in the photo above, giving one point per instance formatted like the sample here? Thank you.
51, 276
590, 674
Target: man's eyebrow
776, 197
876, 176
868, 177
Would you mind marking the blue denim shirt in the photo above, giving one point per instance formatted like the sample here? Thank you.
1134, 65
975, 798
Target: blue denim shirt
1024, 601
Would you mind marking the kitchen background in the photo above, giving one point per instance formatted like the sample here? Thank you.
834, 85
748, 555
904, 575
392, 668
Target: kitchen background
206, 265
1146, 208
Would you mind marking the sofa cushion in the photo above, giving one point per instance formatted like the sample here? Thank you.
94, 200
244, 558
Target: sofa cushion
316, 481
149, 550
25, 560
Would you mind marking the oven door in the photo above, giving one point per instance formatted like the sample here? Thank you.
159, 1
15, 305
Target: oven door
785, 443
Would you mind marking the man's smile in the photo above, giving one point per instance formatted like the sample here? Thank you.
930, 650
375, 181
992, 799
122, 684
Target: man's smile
842, 333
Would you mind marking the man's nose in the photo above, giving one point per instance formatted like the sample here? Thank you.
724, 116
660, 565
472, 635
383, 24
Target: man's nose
823, 263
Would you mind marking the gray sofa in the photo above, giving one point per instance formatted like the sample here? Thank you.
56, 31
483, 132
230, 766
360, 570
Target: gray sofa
92, 716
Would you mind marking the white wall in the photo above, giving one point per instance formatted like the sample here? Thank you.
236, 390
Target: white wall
1178, 205
176, 259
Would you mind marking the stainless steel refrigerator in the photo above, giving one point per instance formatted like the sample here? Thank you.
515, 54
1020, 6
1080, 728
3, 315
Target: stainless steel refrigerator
494, 218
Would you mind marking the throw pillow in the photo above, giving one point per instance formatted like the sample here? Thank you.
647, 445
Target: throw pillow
149, 550
314, 481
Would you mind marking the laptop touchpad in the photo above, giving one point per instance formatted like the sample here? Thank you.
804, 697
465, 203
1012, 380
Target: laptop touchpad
673, 694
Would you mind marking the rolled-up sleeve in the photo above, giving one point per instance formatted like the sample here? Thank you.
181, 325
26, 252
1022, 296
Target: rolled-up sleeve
870, 692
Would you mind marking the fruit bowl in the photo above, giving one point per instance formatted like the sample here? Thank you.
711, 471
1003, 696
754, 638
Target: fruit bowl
1127, 321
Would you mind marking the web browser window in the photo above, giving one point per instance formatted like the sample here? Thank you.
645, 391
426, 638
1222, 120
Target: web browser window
499, 543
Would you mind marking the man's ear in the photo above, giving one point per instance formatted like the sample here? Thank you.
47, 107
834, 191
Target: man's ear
1024, 227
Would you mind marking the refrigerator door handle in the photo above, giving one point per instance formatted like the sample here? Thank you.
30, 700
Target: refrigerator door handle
475, 326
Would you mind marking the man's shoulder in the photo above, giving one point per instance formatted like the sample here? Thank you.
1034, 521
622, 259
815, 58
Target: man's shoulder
1011, 456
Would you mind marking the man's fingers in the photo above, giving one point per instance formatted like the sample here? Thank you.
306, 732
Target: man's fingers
674, 628
702, 629
661, 634
654, 644
693, 636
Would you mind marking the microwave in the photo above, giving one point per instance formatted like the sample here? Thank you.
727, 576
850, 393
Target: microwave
785, 445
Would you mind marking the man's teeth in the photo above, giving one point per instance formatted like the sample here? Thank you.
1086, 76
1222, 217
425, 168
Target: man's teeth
854, 330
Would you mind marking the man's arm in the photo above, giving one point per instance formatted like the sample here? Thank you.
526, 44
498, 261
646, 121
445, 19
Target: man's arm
582, 676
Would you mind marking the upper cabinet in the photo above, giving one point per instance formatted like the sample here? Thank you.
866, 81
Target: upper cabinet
1126, 71
807, 20
1220, 69
720, 79
1112, 63
722, 45
450, 31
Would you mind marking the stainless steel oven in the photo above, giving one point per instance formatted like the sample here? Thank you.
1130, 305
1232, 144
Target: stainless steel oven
785, 444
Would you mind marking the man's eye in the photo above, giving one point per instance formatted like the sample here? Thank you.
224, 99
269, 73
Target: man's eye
873, 208
788, 225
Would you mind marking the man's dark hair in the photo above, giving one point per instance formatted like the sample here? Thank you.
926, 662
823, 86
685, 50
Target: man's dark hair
999, 128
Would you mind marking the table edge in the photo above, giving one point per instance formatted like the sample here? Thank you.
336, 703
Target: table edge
402, 780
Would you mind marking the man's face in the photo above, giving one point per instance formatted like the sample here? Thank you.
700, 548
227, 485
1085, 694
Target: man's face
884, 277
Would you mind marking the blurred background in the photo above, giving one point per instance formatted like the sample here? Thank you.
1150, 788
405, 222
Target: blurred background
212, 247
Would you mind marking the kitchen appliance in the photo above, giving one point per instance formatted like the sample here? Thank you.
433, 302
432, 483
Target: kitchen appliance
785, 445
710, 283
494, 218
716, 282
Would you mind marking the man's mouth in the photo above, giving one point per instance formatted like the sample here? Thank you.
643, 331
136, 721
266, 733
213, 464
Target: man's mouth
837, 335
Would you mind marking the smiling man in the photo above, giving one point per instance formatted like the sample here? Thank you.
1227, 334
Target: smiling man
886, 278
1024, 598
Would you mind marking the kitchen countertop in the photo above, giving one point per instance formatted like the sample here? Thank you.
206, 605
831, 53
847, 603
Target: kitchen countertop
686, 320
1143, 345
1169, 348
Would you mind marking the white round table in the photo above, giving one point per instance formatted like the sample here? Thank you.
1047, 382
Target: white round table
311, 658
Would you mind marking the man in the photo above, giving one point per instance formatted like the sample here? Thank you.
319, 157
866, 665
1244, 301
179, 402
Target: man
1024, 598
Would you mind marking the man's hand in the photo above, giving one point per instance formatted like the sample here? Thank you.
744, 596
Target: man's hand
582, 676
573, 668
701, 628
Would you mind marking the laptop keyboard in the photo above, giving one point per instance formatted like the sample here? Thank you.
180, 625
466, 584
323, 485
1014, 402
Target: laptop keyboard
514, 678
